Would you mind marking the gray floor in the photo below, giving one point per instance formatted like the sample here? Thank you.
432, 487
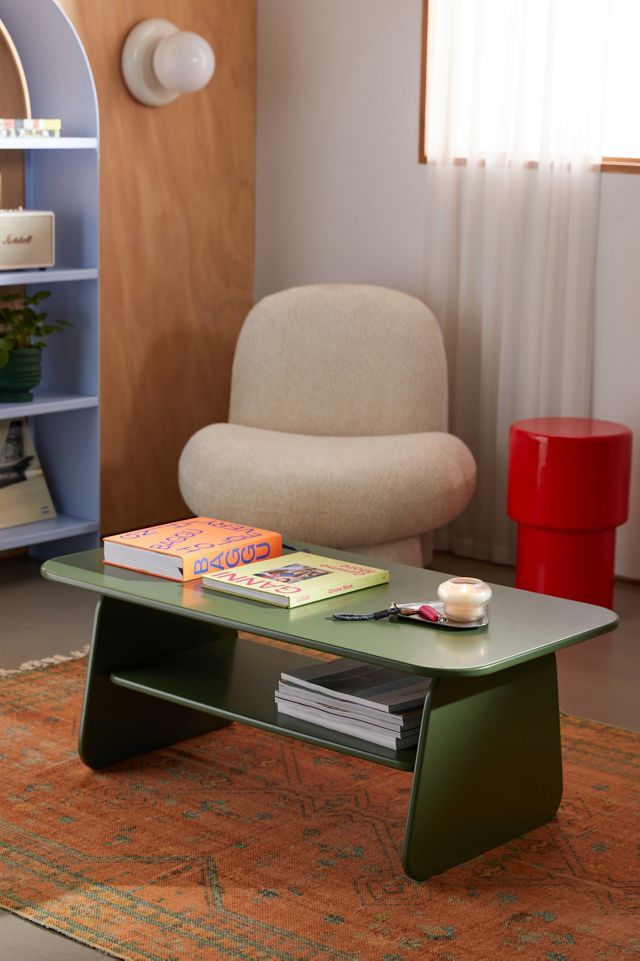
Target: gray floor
598, 680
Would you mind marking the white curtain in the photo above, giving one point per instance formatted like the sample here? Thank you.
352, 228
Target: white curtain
513, 141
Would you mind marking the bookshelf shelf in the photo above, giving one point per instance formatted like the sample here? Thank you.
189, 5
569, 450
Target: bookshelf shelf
48, 143
40, 532
48, 402
46, 276
61, 174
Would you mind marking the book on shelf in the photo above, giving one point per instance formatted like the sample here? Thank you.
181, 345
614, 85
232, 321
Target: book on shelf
391, 721
375, 686
332, 712
24, 493
364, 732
186, 549
374, 703
298, 578
30, 127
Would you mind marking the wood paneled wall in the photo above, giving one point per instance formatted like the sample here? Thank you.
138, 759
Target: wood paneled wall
177, 248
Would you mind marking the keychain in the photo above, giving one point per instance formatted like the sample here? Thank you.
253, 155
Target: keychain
425, 611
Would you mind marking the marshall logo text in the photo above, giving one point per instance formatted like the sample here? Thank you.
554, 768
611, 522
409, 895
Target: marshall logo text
11, 239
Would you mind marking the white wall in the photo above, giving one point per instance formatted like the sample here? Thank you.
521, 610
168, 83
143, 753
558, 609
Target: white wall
339, 189
341, 197
617, 342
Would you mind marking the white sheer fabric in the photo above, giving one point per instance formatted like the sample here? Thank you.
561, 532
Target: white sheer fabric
514, 117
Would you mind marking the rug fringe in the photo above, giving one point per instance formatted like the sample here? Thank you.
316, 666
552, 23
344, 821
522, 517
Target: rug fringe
44, 662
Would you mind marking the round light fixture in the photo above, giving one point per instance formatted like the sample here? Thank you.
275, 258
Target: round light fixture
159, 62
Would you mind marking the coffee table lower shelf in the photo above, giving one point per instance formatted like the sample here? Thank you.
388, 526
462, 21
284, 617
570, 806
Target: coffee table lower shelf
235, 679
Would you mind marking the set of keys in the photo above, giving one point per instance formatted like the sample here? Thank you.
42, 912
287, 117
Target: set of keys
425, 611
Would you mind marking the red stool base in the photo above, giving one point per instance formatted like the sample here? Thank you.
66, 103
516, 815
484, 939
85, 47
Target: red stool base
574, 564
568, 491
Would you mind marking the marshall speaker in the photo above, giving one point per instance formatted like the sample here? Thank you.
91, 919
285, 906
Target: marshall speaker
26, 239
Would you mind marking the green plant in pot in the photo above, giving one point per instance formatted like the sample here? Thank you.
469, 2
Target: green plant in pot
23, 333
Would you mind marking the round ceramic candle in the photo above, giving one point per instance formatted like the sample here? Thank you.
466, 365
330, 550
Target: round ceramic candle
465, 598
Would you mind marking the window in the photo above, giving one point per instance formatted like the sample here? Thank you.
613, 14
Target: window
621, 116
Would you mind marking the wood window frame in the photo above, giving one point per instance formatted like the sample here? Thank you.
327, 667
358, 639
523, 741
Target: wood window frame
618, 165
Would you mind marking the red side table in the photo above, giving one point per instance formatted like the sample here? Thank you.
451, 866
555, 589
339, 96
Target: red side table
568, 491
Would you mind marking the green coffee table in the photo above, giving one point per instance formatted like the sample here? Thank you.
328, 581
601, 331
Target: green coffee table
166, 663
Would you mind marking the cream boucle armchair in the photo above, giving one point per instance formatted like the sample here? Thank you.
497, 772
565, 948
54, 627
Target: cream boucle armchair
337, 431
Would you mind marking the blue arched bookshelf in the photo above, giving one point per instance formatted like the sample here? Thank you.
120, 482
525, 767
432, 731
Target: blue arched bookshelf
62, 175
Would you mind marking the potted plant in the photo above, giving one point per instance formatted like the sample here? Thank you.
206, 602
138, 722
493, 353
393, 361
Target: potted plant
23, 333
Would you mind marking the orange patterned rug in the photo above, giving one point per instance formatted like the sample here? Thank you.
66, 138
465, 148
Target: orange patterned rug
245, 845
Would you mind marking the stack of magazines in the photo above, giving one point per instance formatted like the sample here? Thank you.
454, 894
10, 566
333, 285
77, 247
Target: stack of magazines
380, 705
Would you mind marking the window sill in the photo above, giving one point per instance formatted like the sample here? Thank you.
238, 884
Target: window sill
609, 165
620, 165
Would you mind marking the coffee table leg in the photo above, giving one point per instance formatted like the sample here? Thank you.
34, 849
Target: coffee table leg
117, 723
488, 765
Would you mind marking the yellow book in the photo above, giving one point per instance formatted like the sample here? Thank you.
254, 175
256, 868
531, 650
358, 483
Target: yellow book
296, 579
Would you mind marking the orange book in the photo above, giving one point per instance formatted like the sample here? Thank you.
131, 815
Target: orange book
184, 550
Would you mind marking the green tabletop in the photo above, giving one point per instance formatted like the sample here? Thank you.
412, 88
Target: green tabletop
522, 625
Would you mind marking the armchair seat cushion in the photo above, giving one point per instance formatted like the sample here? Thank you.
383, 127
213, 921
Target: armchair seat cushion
337, 491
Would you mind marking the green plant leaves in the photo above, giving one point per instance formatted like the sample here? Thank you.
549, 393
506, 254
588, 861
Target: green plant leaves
21, 325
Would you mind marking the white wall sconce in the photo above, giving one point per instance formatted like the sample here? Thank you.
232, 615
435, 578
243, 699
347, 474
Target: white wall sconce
159, 62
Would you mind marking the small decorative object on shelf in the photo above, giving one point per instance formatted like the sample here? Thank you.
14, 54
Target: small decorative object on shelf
30, 127
22, 336
26, 238
24, 495
465, 598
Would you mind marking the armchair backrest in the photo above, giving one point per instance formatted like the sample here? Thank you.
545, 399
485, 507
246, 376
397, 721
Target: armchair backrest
341, 359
